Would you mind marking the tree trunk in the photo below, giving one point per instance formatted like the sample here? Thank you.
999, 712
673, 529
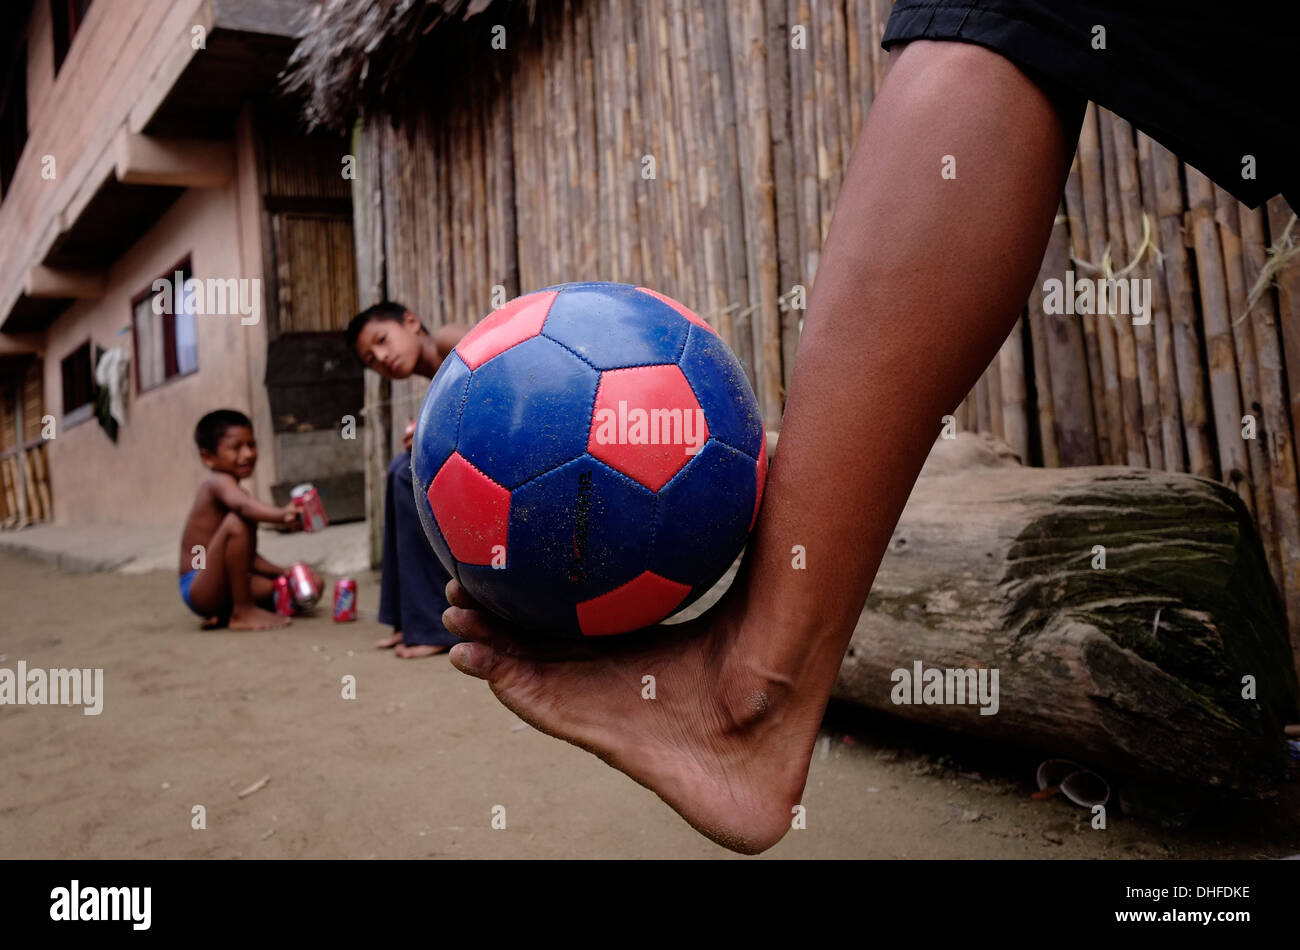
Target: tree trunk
1136, 668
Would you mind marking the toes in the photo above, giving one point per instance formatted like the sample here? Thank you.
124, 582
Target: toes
477, 660
458, 596
478, 625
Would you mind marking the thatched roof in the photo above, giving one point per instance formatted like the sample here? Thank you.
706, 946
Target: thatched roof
354, 53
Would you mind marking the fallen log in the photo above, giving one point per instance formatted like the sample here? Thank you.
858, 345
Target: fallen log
1127, 613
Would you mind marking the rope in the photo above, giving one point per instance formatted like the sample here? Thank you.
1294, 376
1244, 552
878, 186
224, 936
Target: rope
1104, 268
1279, 257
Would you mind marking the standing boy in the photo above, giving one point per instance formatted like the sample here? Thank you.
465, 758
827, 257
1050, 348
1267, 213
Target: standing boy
390, 340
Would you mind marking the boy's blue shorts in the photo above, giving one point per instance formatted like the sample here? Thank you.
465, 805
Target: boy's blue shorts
186, 582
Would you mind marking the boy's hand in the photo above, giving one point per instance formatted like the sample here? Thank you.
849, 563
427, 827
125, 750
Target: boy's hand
409, 435
291, 514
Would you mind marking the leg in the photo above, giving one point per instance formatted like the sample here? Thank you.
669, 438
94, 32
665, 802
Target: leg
263, 589
421, 576
390, 591
225, 584
921, 279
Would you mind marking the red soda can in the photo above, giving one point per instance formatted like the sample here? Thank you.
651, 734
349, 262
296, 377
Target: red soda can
283, 597
304, 585
345, 600
307, 500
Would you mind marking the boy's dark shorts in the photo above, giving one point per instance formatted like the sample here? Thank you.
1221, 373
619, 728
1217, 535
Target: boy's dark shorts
1212, 82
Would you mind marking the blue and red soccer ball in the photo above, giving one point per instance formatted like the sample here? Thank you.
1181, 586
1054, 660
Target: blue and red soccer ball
589, 459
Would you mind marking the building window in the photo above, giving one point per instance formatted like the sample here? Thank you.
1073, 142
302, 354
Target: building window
166, 338
67, 16
78, 383
13, 119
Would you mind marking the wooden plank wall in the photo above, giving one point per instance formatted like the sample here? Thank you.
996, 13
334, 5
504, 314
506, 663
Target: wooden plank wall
697, 147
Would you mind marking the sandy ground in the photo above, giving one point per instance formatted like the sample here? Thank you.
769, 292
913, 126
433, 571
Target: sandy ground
414, 765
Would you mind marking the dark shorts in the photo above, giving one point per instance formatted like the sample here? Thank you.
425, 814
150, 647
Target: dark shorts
1213, 83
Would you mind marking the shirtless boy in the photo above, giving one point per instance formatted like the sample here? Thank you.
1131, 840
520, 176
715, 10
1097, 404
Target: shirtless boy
233, 579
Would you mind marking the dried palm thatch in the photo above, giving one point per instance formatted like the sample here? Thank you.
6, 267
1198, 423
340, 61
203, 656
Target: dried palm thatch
353, 55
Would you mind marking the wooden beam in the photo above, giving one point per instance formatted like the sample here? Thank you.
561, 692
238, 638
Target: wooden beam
55, 283
21, 344
183, 163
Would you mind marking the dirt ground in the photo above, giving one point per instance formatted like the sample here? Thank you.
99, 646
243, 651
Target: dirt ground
415, 764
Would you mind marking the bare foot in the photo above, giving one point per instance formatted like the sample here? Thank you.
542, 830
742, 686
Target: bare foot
212, 623
255, 618
723, 742
418, 650
390, 641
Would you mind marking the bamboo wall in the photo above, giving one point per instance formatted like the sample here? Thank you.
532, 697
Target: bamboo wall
23, 462
539, 172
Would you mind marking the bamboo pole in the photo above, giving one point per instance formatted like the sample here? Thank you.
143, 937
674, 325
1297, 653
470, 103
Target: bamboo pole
684, 79
17, 499
1125, 342
41, 461
486, 236
855, 48
709, 195
368, 235
34, 511
983, 415
829, 163
803, 94
1182, 312
724, 104
843, 91
783, 176
959, 414
1069, 436
1273, 400
1288, 303
1046, 421
746, 24
879, 58
630, 224
1094, 205
993, 375
1143, 333
1078, 235
1243, 344
505, 190
656, 94
9, 514
1015, 418
681, 245
1170, 414
564, 65
1224, 394
602, 67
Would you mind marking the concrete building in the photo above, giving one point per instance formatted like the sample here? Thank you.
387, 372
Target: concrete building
139, 138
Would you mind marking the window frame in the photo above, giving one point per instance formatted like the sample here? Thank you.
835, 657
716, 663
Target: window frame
171, 359
85, 410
